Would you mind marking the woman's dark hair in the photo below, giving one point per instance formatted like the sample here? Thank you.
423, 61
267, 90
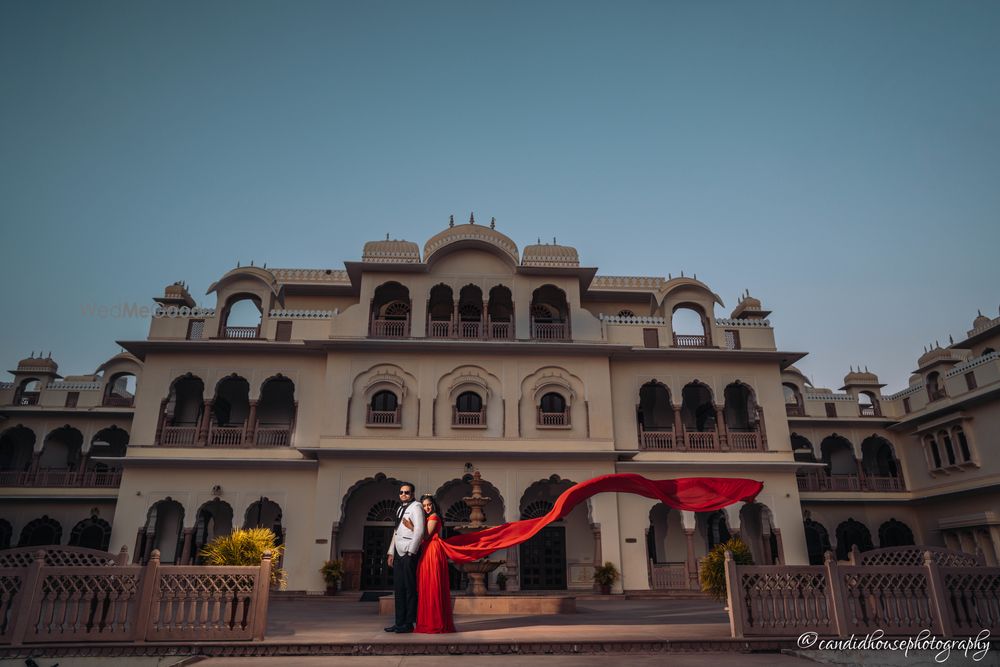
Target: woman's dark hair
434, 502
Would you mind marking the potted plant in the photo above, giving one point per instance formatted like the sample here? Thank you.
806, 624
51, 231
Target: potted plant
246, 547
712, 569
333, 572
605, 576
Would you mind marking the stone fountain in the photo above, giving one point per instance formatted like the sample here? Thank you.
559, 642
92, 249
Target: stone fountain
479, 569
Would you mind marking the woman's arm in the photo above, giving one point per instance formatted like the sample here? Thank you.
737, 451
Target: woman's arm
431, 525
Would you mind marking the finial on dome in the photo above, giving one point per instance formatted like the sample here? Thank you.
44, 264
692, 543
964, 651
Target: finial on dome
32, 355
265, 265
937, 344
451, 220
237, 264
951, 339
472, 218
493, 223
251, 262
670, 276
682, 273
696, 276
554, 241
387, 236
866, 368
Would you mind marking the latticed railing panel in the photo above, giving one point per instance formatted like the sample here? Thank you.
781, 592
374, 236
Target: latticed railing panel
11, 581
85, 607
913, 556
974, 598
893, 599
188, 603
785, 602
56, 556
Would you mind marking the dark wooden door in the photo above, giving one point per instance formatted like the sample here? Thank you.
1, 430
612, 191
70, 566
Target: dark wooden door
375, 573
543, 560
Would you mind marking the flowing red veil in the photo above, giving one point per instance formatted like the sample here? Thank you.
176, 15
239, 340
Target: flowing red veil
696, 494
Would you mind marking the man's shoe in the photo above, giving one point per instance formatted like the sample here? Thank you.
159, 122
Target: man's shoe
403, 629
393, 628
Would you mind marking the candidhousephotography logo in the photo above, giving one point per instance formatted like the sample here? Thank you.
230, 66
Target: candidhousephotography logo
127, 310
974, 648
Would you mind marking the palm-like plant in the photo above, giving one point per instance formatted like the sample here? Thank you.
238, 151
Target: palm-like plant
712, 569
246, 547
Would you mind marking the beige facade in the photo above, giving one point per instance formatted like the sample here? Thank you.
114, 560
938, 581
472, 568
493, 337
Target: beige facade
305, 396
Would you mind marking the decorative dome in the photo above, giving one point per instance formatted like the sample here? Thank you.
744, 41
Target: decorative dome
860, 377
391, 252
470, 235
550, 254
980, 321
37, 363
749, 308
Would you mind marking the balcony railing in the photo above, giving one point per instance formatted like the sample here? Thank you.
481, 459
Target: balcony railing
549, 330
870, 410
935, 394
482, 330
468, 419
553, 419
179, 435
383, 417
744, 441
226, 436
656, 440
700, 440
241, 332
118, 401
813, 481
690, 341
27, 398
61, 478
273, 436
792, 410
385, 328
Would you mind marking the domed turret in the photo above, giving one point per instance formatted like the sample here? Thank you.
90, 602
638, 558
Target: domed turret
33, 362
550, 254
981, 321
749, 308
470, 235
391, 252
176, 294
861, 378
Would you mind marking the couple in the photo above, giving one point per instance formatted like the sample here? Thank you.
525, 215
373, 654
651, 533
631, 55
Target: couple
430, 609
418, 524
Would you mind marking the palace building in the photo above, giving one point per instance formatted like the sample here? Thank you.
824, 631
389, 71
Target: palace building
304, 397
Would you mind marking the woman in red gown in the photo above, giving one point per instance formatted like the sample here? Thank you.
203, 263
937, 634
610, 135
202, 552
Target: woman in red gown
434, 597
694, 494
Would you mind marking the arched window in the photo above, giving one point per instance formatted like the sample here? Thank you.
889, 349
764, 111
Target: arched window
390, 311
93, 533
553, 403
41, 532
470, 312
469, 401
718, 530
802, 449
383, 511
383, 410
690, 326
656, 413
817, 541
949, 449
549, 314
794, 406
17, 446
932, 448
740, 410
625, 312
536, 509
851, 533
697, 408
120, 390
963, 445
894, 533
500, 310
935, 390
27, 392
552, 410
241, 317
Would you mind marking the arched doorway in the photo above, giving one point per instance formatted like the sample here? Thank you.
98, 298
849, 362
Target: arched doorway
558, 556
93, 533
365, 532
214, 518
41, 532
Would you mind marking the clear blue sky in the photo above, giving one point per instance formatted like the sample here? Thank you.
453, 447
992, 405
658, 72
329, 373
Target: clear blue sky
839, 159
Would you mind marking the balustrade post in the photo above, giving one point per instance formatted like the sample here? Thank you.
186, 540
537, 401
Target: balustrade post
25, 615
692, 565
122, 558
736, 620
261, 593
157, 438
835, 591
761, 429
250, 430
721, 432
334, 533
939, 603
679, 440
202, 437
147, 596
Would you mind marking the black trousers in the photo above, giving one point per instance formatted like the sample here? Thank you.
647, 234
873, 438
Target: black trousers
404, 583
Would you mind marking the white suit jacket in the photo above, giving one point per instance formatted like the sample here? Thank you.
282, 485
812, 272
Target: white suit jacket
406, 540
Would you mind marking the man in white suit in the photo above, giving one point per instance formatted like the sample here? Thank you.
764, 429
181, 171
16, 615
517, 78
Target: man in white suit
402, 558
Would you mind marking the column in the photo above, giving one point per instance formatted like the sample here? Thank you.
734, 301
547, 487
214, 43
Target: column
720, 428
185, 558
251, 425
598, 557
692, 565
160, 421
206, 416
679, 442
760, 426
733, 521
334, 533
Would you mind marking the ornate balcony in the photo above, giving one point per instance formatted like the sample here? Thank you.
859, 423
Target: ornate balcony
61, 478
263, 435
179, 436
273, 436
870, 410
242, 333
384, 418
477, 330
744, 441
821, 481
27, 398
690, 341
553, 419
468, 419
549, 330
700, 440
389, 328
656, 440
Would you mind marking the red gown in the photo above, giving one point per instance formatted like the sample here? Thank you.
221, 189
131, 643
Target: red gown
695, 494
433, 594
